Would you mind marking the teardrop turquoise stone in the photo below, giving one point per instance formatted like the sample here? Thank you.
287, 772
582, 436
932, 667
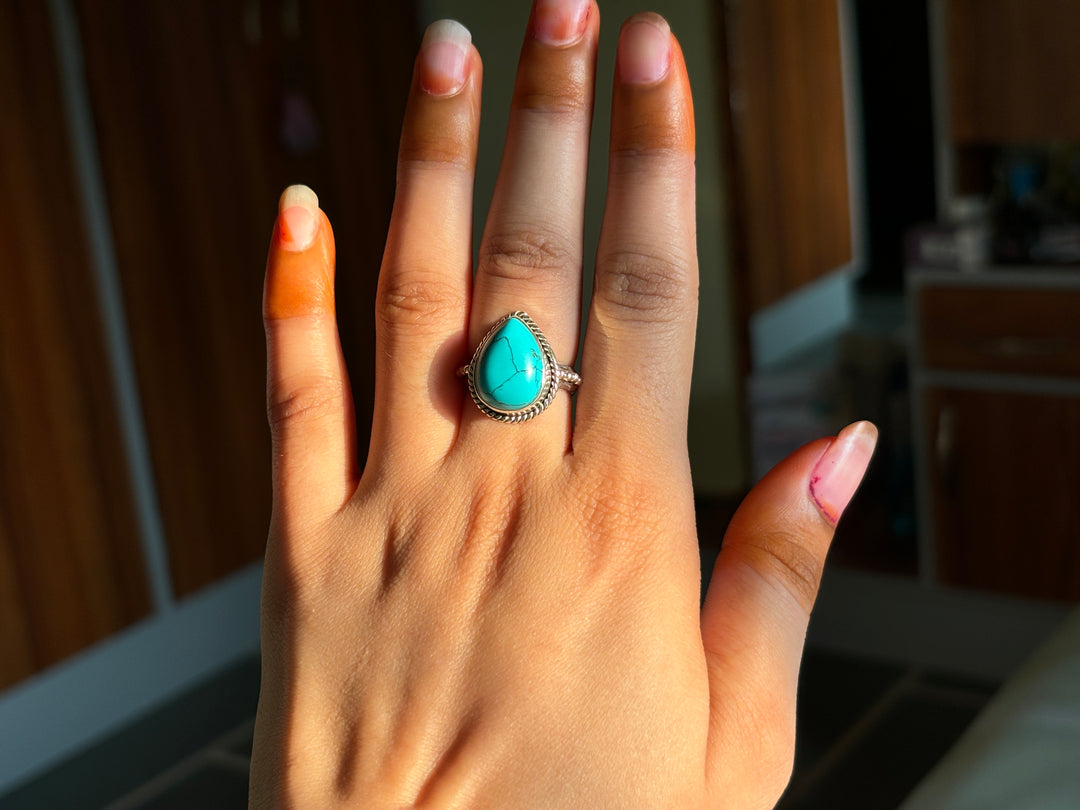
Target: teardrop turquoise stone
510, 369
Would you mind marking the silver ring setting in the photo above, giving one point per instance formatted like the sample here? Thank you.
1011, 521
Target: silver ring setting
513, 375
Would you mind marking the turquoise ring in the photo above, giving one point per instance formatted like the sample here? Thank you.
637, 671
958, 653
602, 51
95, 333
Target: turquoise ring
513, 375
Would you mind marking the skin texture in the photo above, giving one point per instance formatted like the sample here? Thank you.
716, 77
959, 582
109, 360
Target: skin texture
507, 616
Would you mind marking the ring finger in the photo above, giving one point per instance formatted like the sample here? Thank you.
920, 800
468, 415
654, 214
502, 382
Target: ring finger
531, 250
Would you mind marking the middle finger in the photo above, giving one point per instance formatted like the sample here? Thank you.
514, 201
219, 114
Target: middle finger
531, 251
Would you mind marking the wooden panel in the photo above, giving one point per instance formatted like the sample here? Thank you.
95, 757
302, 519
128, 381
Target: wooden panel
787, 105
205, 111
70, 562
1014, 70
1005, 330
1004, 469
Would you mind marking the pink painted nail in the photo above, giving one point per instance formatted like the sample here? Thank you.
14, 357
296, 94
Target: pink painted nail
444, 57
560, 22
644, 50
298, 218
840, 470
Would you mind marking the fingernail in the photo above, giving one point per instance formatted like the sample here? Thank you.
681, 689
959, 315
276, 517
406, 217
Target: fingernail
644, 50
560, 22
840, 470
298, 218
444, 57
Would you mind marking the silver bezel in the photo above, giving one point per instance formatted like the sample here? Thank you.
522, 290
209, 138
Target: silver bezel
549, 386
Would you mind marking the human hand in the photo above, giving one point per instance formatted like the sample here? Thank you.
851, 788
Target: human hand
507, 615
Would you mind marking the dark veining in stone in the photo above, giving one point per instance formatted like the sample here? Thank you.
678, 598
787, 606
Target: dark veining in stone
513, 362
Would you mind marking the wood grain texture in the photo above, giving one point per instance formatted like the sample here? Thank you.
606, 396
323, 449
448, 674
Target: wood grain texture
1013, 70
205, 111
787, 107
70, 562
1003, 471
1017, 331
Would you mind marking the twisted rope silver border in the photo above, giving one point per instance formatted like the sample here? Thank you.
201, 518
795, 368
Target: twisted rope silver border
555, 375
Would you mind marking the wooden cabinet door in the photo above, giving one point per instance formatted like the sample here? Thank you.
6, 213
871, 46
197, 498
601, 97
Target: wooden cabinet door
1005, 504
205, 111
1013, 70
791, 211
71, 569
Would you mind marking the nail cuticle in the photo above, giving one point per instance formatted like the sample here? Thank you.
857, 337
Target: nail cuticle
838, 473
444, 58
298, 222
645, 51
827, 513
561, 23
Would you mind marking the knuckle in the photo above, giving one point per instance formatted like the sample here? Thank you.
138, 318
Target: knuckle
558, 93
619, 509
641, 286
670, 169
646, 138
766, 722
443, 147
527, 255
311, 400
416, 301
786, 558
425, 159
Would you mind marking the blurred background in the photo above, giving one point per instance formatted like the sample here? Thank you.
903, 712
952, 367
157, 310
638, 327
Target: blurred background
889, 229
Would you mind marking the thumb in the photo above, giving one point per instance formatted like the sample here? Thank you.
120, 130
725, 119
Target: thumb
758, 604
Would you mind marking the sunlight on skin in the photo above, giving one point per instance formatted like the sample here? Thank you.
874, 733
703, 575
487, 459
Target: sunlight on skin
494, 615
